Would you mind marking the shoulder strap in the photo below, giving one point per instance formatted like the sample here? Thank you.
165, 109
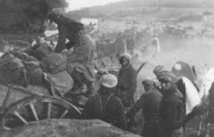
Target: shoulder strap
101, 106
104, 106
108, 100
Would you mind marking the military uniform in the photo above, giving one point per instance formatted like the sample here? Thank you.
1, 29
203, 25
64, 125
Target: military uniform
84, 52
172, 114
80, 63
105, 105
149, 103
82, 58
127, 84
172, 106
68, 29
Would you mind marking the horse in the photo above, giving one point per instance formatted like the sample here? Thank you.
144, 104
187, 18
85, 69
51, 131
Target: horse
196, 89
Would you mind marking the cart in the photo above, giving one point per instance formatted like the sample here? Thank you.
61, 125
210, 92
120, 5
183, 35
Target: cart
19, 106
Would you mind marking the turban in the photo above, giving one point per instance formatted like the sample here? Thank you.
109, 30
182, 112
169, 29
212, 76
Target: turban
126, 55
109, 80
158, 70
163, 75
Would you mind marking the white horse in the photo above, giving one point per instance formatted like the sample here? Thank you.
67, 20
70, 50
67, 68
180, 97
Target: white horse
192, 95
197, 95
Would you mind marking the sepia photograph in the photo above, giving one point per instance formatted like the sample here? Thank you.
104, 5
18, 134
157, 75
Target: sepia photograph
106, 68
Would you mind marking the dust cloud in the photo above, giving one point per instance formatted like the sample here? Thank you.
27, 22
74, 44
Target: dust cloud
197, 52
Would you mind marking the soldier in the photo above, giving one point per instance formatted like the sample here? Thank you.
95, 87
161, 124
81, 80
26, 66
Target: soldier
127, 81
105, 105
149, 103
68, 29
172, 107
80, 62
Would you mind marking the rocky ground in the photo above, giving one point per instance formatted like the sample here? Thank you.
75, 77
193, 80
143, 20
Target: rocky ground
67, 128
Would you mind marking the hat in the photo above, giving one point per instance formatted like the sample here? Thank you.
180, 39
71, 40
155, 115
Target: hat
167, 76
158, 70
163, 75
148, 82
58, 11
109, 80
126, 55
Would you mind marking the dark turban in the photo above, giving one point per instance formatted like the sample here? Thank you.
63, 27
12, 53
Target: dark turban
164, 76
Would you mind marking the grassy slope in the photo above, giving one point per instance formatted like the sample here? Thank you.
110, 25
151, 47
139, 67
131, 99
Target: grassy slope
137, 4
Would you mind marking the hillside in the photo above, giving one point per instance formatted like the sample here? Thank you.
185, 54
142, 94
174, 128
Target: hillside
134, 7
164, 3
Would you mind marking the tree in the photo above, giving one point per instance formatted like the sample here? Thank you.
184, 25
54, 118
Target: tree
26, 15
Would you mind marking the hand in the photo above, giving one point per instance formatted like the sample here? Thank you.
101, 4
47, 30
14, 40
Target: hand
129, 115
158, 69
130, 119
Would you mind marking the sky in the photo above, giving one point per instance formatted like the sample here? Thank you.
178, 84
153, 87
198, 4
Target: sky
78, 4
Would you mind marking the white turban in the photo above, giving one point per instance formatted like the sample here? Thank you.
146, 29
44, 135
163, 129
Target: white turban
126, 55
109, 80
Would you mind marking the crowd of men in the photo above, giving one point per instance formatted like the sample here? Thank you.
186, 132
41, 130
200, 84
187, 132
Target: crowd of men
163, 107
163, 104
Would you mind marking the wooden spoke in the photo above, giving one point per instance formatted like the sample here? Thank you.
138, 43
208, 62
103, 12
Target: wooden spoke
49, 110
34, 112
6, 128
64, 114
54, 108
20, 117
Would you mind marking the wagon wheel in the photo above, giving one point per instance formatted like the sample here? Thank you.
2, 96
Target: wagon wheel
37, 108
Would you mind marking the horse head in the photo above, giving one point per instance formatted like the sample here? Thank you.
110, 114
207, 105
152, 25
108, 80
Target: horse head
197, 84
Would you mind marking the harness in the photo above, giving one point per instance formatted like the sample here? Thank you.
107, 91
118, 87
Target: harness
103, 106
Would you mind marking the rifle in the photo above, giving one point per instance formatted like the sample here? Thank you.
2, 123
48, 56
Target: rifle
141, 66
